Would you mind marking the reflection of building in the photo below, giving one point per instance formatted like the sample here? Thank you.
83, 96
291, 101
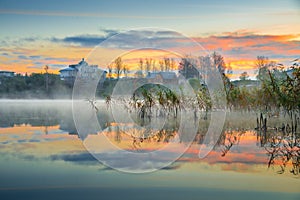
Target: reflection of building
87, 71
163, 77
7, 74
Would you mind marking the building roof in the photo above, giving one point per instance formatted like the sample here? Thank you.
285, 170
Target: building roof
168, 75
150, 74
164, 75
68, 69
82, 62
73, 65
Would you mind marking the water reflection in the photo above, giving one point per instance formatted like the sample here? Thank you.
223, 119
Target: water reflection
239, 143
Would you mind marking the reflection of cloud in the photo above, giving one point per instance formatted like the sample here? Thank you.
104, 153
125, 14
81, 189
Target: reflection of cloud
114, 160
81, 158
144, 161
173, 166
4, 54
34, 140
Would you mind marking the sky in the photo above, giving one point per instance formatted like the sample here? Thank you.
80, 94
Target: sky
35, 33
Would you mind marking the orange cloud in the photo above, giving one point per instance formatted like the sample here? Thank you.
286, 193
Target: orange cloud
33, 59
240, 49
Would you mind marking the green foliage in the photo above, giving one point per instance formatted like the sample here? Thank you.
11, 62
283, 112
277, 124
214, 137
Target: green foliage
244, 76
195, 83
276, 90
107, 88
34, 86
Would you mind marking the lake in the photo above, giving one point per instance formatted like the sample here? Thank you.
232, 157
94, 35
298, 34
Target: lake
42, 156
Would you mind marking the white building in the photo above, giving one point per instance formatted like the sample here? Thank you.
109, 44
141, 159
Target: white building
86, 71
68, 73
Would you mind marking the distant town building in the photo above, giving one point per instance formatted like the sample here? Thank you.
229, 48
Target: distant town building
85, 70
139, 74
68, 73
7, 74
163, 77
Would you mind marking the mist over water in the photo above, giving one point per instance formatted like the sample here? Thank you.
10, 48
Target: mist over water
41, 151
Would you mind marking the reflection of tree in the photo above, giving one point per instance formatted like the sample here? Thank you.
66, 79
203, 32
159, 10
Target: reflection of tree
148, 136
46, 130
282, 143
284, 150
228, 139
93, 102
140, 136
231, 140
37, 114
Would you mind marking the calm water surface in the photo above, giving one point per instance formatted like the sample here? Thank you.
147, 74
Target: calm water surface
42, 157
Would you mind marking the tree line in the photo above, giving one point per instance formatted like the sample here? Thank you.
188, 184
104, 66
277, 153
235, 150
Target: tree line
35, 85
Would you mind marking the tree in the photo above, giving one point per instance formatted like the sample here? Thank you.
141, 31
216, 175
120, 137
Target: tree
148, 63
141, 64
153, 66
47, 78
262, 64
187, 69
219, 62
167, 64
161, 65
125, 70
229, 70
118, 66
261, 61
109, 67
244, 76
172, 63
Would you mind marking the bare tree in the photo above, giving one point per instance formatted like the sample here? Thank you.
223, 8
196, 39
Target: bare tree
261, 61
167, 64
118, 66
219, 62
229, 70
109, 67
46, 68
141, 64
262, 64
125, 69
172, 63
161, 65
244, 76
153, 66
148, 63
